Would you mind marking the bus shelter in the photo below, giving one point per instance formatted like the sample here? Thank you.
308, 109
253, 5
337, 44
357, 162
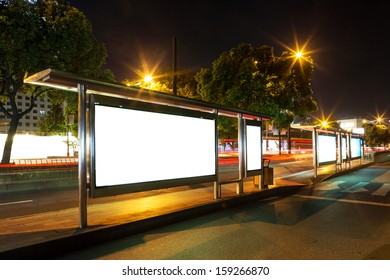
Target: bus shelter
133, 139
337, 147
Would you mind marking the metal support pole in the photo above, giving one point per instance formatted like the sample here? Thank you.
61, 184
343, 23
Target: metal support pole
174, 66
315, 160
348, 151
335, 164
261, 177
340, 150
217, 186
82, 118
241, 154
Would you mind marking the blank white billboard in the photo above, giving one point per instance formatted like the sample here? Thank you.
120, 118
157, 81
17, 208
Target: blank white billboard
133, 146
356, 145
253, 146
344, 148
327, 148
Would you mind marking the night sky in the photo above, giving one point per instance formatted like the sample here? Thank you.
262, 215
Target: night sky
348, 41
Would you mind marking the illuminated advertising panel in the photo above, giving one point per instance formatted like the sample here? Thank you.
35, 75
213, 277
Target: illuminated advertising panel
253, 147
344, 148
144, 149
327, 148
356, 151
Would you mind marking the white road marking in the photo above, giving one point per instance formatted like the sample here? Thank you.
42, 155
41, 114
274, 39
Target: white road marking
383, 190
15, 202
357, 188
344, 200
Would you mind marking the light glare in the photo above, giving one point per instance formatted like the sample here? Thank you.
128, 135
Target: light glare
148, 79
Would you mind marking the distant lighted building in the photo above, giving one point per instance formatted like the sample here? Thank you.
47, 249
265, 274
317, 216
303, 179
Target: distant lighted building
353, 125
29, 123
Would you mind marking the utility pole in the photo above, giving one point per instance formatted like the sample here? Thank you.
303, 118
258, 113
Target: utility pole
174, 67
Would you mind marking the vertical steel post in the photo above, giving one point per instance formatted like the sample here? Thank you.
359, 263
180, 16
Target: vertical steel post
348, 160
174, 66
217, 187
82, 118
335, 164
315, 160
241, 154
340, 149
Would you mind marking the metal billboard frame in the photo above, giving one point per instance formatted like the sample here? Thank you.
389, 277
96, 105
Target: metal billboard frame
99, 191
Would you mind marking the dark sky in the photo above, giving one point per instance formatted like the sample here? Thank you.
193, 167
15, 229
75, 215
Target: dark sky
348, 41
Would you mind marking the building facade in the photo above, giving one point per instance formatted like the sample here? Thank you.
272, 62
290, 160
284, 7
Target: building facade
29, 123
353, 125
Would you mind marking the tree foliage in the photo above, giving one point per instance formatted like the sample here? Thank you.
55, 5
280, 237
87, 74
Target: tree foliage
252, 78
376, 135
41, 34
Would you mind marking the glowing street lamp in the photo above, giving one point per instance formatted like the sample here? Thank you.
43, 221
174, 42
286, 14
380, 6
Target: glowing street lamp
148, 79
298, 54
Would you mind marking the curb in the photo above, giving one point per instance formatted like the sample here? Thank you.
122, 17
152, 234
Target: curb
84, 238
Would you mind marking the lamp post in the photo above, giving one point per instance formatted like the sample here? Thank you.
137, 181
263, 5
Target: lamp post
298, 56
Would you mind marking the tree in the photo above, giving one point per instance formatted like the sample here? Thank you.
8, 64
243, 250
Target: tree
376, 135
36, 35
254, 79
52, 123
233, 80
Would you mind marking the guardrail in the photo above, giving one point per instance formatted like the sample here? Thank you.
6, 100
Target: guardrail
45, 160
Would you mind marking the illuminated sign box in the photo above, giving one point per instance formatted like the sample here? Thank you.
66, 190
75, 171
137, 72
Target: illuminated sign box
327, 149
344, 148
155, 147
253, 148
356, 148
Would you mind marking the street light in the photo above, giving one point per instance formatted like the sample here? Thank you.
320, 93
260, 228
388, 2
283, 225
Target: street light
298, 54
148, 79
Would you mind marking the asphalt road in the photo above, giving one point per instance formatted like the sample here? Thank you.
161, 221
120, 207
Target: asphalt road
345, 218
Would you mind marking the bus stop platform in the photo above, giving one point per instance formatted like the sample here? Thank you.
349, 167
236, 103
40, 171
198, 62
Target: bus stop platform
46, 235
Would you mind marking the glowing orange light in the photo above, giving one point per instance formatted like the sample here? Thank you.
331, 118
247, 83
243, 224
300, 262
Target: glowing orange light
148, 78
298, 54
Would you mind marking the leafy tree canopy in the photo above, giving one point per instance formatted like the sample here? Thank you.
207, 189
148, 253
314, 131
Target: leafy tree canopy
376, 135
252, 78
41, 34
